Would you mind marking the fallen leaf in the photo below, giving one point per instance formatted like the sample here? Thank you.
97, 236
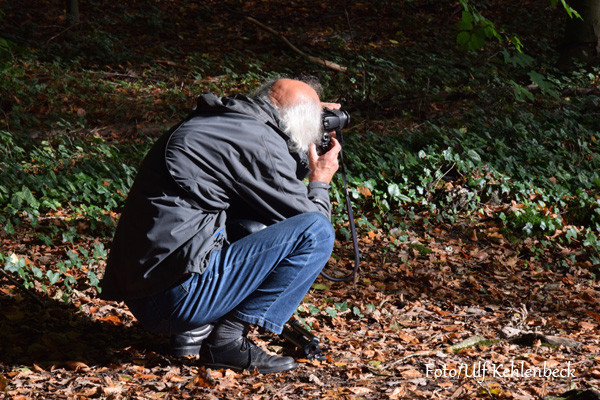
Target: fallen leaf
473, 236
408, 338
398, 392
76, 366
410, 374
37, 368
586, 326
147, 377
112, 319
360, 390
313, 378
364, 191
202, 379
594, 315
112, 390
331, 337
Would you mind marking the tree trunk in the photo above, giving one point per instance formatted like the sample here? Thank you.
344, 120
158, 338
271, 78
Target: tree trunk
582, 37
73, 11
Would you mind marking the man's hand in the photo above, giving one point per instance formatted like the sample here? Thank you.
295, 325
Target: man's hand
331, 106
323, 167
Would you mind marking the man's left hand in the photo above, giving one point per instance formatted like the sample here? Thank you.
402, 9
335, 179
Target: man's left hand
331, 106
323, 166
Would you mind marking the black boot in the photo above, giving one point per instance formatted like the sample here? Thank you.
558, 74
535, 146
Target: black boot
243, 354
189, 343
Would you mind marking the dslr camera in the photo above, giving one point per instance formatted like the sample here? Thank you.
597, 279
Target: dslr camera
333, 120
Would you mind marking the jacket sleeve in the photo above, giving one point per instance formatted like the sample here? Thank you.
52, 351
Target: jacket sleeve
270, 187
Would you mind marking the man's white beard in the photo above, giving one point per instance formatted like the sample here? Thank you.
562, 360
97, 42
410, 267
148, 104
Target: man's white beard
303, 124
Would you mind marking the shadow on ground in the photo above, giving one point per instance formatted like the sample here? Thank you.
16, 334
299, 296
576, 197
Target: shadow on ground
61, 335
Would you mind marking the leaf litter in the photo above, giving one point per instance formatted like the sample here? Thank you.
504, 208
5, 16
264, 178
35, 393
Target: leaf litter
439, 302
394, 333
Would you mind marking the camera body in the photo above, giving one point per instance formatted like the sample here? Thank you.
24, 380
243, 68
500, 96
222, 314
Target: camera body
333, 120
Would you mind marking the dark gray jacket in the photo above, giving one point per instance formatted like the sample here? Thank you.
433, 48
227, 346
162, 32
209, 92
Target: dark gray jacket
228, 159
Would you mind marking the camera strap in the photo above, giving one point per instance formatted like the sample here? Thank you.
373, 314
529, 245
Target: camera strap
350, 217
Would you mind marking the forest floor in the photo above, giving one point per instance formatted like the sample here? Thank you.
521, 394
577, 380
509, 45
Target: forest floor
416, 325
452, 312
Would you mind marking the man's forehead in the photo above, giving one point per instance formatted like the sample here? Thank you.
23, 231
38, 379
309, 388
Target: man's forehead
285, 92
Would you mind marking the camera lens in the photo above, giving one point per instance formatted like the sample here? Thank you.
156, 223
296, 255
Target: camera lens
335, 119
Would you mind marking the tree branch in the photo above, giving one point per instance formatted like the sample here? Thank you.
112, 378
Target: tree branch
20, 286
327, 63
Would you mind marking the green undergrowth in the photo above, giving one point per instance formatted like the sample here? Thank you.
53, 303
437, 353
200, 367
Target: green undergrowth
542, 160
43, 96
88, 176
58, 191
537, 160
438, 134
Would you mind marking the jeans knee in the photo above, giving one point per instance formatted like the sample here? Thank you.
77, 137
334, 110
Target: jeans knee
321, 226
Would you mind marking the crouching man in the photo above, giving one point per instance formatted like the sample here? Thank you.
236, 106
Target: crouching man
232, 158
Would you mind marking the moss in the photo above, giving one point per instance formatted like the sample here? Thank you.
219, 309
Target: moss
423, 250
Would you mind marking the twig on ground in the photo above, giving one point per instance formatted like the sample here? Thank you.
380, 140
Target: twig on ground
418, 354
485, 388
23, 288
61, 32
327, 63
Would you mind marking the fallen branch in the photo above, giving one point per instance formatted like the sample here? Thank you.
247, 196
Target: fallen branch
484, 387
576, 394
470, 342
327, 63
527, 338
61, 32
581, 91
426, 353
22, 287
570, 91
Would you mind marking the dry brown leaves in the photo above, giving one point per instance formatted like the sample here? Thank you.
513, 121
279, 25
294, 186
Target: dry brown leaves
424, 318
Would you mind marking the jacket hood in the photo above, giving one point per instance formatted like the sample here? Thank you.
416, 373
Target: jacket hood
257, 108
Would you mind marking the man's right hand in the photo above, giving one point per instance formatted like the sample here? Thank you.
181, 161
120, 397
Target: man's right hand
323, 166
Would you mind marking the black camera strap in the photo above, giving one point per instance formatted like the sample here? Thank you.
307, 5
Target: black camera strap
339, 137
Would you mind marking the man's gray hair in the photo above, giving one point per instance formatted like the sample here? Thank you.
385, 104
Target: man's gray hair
302, 122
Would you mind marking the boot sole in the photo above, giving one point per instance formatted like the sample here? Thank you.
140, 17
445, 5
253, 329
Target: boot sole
185, 351
263, 370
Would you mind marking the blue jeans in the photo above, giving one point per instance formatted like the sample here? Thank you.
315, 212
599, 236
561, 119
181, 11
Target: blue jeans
260, 279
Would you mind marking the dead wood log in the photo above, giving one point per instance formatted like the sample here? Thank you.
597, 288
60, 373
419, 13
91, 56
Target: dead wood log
318, 60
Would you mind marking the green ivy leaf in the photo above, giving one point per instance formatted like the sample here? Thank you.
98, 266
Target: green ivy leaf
331, 311
9, 228
320, 286
544, 85
356, 311
93, 279
29, 198
53, 277
474, 155
341, 307
477, 41
466, 23
313, 310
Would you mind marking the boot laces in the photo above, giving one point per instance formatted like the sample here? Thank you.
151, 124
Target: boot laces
247, 344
